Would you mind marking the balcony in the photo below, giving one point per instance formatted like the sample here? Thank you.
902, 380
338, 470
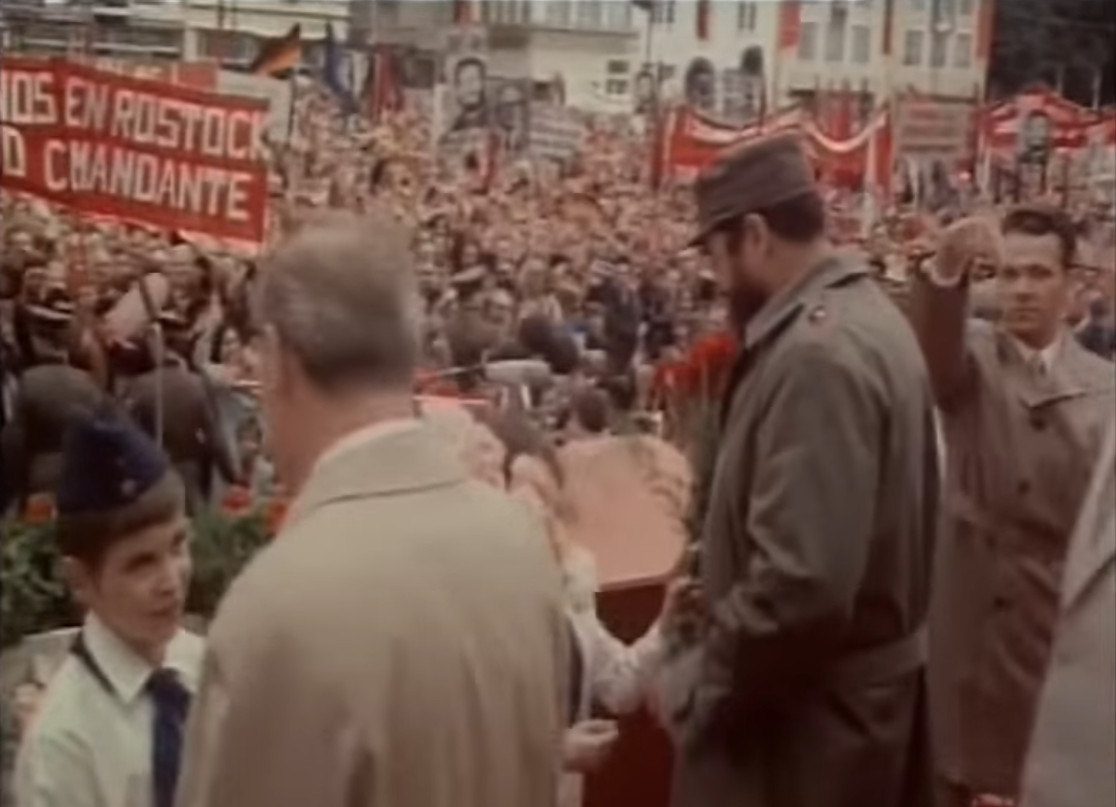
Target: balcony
607, 17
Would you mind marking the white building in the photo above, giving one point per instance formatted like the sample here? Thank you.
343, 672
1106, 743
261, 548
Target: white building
597, 47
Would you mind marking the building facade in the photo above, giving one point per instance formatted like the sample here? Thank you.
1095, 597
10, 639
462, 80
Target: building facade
606, 53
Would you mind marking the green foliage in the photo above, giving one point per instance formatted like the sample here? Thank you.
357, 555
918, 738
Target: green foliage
33, 597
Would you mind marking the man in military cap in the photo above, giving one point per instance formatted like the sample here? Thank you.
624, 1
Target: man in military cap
806, 686
108, 730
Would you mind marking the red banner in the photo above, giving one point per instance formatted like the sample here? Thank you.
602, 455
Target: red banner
790, 24
986, 22
133, 149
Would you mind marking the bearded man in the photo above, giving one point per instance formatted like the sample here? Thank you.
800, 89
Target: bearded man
806, 688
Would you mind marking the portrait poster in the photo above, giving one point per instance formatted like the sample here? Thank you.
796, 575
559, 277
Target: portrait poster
462, 95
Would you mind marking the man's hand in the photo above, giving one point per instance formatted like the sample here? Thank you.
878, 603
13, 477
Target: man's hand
683, 605
588, 744
965, 246
993, 801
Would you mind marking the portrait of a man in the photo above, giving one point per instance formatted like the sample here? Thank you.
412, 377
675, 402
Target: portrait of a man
511, 115
470, 98
644, 92
1034, 136
701, 85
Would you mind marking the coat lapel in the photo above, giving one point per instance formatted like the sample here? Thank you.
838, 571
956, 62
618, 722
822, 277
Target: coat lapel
398, 462
1072, 375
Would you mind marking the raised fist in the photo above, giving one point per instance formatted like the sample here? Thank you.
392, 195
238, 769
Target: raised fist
966, 245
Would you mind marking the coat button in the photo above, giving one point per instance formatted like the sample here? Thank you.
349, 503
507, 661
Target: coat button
1024, 487
1000, 602
1038, 422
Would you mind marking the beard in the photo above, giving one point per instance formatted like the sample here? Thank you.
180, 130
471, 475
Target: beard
745, 299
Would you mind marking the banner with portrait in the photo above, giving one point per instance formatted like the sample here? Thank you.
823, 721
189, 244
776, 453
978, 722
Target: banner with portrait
461, 103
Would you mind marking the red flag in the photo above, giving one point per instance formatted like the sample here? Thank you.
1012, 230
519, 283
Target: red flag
790, 24
986, 20
703, 12
888, 25
463, 12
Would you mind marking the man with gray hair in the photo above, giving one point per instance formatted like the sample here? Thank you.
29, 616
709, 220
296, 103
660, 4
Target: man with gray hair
401, 643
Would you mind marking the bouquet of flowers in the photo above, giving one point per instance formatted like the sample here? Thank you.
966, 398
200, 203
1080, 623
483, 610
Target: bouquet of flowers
689, 392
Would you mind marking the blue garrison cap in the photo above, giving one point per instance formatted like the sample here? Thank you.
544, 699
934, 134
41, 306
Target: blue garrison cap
108, 463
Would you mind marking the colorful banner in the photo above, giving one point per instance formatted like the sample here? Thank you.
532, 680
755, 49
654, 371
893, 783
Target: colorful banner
691, 142
132, 149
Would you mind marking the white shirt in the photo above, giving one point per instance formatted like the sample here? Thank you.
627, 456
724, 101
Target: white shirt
614, 675
1043, 359
88, 747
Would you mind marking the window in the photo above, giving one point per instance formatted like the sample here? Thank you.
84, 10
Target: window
939, 46
746, 15
835, 43
558, 12
589, 13
616, 86
918, 5
963, 50
663, 11
912, 49
618, 15
861, 44
965, 8
667, 72
617, 67
808, 42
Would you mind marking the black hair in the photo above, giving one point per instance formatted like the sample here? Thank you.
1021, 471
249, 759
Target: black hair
798, 220
1038, 219
463, 64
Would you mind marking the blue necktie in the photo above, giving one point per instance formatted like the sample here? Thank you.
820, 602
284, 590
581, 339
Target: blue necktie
172, 701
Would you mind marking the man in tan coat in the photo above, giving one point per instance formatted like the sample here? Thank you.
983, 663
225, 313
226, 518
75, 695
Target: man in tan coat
402, 642
1072, 758
1023, 410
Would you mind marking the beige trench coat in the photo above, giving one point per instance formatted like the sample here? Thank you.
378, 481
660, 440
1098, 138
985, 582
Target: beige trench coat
1020, 451
1072, 761
402, 643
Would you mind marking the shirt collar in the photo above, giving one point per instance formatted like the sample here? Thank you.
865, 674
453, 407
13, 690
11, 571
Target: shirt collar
361, 437
122, 667
1047, 356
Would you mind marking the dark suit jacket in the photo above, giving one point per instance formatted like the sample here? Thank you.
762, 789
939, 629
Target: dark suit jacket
190, 434
48, 397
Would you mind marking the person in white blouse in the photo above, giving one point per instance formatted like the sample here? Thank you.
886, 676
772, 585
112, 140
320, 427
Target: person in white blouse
608, 673
107, 731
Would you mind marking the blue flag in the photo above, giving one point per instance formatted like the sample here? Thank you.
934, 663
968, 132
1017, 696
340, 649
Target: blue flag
335, 75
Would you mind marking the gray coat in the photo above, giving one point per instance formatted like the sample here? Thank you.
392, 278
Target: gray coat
1020, 453
807, 689
1072, 761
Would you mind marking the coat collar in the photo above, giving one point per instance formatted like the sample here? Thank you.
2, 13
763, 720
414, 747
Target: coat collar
1075, 372
392, 462
1093, 546
780, 309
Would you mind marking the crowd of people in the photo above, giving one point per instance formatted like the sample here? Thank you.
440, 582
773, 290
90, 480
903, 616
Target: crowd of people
885, 543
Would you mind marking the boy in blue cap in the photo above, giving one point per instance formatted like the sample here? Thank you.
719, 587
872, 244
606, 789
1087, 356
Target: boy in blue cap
108, 731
